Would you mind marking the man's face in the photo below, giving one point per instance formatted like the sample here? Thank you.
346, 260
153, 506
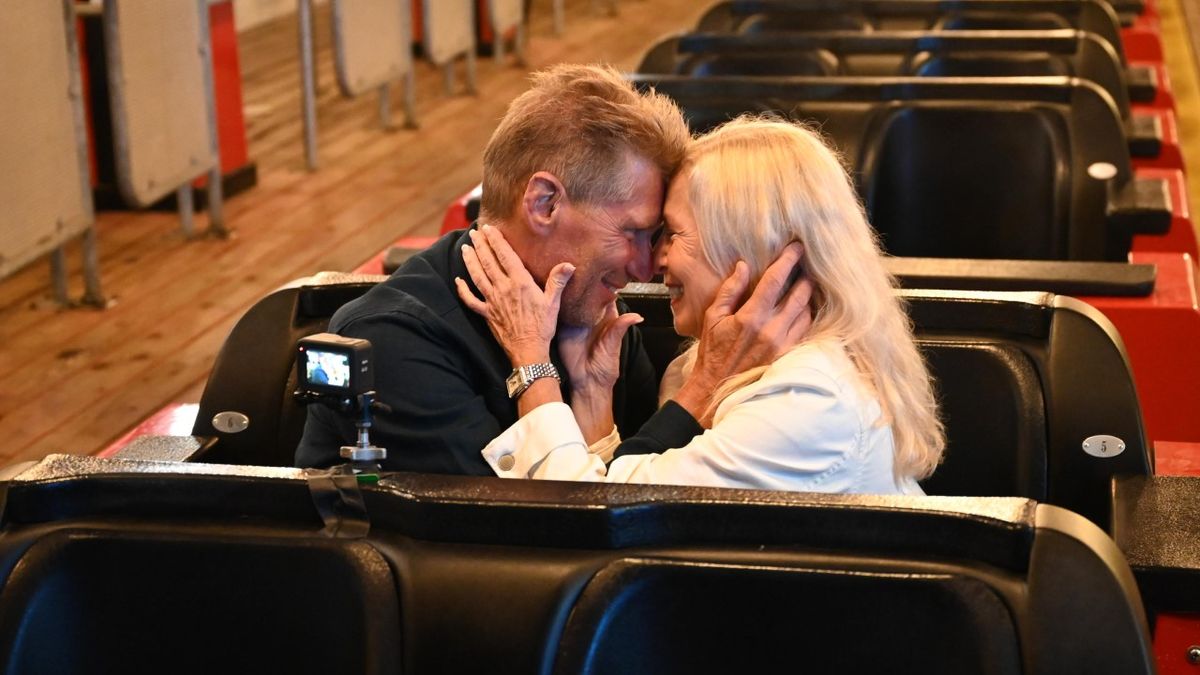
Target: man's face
609, 244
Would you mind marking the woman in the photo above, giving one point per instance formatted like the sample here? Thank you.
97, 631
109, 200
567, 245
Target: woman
849, 409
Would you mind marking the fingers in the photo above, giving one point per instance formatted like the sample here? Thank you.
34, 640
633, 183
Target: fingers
774, 282
798, 329
464, 293
502, 251
610, 341
486, 256
476, 270
794, 314
729, 293
610, 312
559, 276
798, 298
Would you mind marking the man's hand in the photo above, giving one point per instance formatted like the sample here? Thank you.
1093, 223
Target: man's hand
773, 320
523, 317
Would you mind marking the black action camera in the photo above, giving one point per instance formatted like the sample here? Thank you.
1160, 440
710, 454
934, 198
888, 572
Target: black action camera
337, 372
331, 365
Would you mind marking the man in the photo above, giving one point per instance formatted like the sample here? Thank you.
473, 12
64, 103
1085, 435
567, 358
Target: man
575, 172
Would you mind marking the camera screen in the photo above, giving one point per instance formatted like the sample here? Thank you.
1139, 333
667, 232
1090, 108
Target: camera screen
327, 368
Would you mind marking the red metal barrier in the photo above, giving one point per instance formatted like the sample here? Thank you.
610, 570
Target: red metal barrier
1162, 336
1174, 636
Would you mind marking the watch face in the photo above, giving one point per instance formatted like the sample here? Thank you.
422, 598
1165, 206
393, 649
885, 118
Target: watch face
516, 383
523, 376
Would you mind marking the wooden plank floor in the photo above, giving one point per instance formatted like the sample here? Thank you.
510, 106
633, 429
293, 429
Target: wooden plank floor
75, 380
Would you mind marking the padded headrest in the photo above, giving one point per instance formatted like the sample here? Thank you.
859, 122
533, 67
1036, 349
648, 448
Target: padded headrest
989, 64
817, 62
969, 181
200, 601
667, 616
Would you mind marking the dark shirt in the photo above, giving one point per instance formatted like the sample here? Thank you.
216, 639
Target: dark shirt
441, 371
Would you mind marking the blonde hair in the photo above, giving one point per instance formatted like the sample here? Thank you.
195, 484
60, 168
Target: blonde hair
580, 123
757, 184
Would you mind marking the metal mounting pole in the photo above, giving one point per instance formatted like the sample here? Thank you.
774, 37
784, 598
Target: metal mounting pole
308, 81
471, 88
385, 107
410, 100
187, 210
519, 45
58, 275
92, 293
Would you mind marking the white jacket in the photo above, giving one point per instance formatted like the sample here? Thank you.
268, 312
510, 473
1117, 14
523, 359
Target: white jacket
811, 423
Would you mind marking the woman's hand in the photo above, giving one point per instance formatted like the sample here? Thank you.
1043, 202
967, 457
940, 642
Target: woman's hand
522, 316
773, 320
592, 355
592, 358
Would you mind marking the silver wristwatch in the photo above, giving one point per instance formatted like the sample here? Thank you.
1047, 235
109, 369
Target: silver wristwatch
523, 376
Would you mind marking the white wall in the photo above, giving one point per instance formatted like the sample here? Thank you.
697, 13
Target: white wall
249, 13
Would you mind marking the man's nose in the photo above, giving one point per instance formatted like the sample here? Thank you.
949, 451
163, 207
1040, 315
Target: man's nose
640, 267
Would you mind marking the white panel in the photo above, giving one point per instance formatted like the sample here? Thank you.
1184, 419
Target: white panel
44, 198
506, 14
159, 85
373, 40
449, 29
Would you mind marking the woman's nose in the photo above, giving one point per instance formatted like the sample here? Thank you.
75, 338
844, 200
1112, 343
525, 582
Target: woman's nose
658, 257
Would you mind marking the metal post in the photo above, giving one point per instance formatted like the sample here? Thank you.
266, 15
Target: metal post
216, 199
519, 44
308, 80
92, 293
471, 88
58, 275
410, 99
186, 209
559, 19
385, 107
497, 43
448, 75
216, 202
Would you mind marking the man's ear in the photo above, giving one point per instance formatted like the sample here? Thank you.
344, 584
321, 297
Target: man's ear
542, 202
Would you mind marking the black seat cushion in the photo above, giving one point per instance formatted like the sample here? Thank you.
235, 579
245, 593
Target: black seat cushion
99, 601
995, 417
664, 617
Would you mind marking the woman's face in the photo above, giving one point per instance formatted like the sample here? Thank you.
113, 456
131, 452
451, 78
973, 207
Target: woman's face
693, 283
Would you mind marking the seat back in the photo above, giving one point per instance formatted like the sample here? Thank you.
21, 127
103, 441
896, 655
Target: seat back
372, 43
546, 577
1013, 162
253, 377
775, 16
937, 53
1023, 379
43, 141
931, 171
163, 105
